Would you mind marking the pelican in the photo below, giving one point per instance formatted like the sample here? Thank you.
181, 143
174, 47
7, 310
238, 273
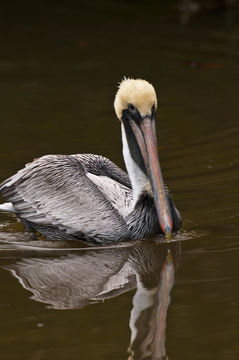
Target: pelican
88, 197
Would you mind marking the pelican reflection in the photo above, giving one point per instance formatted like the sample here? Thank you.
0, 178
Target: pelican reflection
94, 275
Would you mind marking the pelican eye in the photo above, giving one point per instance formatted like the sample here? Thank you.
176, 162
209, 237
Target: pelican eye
153, 110
132, 108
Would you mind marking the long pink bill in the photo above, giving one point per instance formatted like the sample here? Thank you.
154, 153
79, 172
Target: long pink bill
155, 174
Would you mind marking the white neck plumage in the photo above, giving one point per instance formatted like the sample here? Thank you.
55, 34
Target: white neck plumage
139, 181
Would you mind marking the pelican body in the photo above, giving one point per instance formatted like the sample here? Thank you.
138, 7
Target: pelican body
90, 198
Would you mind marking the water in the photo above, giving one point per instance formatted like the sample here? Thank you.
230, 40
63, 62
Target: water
59, 68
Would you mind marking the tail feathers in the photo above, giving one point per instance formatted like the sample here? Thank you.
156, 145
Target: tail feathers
7, 207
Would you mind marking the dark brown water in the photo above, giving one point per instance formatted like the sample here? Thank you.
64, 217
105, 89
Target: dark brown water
59, 67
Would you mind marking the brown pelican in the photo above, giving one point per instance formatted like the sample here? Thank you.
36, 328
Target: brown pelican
87, 196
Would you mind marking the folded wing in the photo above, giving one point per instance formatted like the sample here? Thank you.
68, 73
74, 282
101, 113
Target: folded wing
58, 191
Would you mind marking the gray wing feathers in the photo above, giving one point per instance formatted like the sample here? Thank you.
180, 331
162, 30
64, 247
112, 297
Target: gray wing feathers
54, 190
120, 197
99, 165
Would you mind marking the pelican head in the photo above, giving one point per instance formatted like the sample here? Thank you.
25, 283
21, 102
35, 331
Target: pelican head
139, 93
135, 105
